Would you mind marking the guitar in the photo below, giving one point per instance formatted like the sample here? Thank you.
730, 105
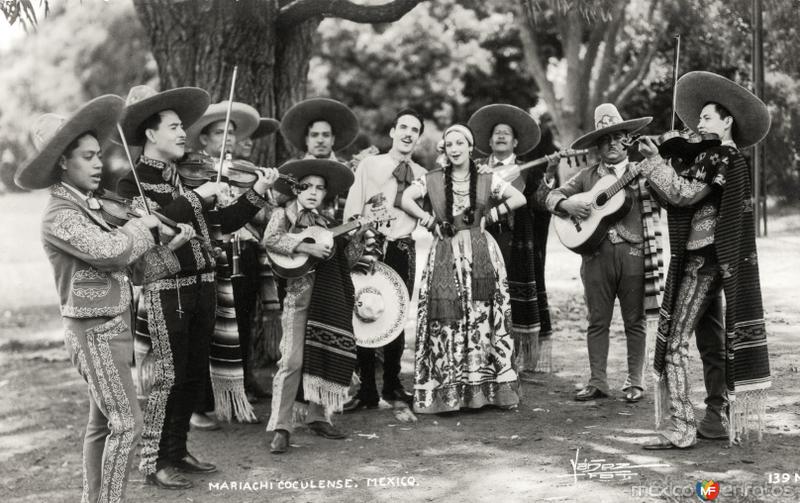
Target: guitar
298, 264
511, 172
609, 203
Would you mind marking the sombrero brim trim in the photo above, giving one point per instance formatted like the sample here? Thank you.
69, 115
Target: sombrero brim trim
751, 116
343, 121
526, 130
190, 103
631, 126
243, 116
99, 115
391, 323
266, 126
338, 177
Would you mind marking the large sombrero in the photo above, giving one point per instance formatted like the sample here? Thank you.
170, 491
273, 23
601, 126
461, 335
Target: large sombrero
607, 119
53, 133
338, 177
343, 121
266, 126
144, 101
750, 115
243, 116
380, 308
526, 131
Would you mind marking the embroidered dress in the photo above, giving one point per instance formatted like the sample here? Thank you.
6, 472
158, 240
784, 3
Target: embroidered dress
465, 362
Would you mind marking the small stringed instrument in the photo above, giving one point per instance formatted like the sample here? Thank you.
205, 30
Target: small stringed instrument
298, 264
609, 202
511, 172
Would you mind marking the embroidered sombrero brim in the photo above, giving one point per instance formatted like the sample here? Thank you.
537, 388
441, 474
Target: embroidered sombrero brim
343, 121
526, 130
189, 103
750, 115
266, 126
338, 177
244, 117
591, 138
99, 116
386, 283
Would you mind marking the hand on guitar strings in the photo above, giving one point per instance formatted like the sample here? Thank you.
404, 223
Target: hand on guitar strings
580, 209
316, 250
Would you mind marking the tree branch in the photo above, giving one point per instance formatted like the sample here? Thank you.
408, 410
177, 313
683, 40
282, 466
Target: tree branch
298, 11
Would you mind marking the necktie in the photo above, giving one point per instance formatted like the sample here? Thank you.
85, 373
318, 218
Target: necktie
168, 173
404, 176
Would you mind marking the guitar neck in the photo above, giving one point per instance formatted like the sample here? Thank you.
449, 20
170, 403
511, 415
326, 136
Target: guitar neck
345, 228
620, 184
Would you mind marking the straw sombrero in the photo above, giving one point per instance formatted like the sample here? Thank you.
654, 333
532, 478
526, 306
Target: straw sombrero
482, 123
144, 101
266, 126
607, 119
750, 115
343, 121
338, 177
243, 116
380, 308
53, 133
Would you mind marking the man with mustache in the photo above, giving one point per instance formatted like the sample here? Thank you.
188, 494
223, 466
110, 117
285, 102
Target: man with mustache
616, 269
388, 175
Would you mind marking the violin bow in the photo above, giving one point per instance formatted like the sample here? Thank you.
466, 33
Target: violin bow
675, 78
227, 122
133, 169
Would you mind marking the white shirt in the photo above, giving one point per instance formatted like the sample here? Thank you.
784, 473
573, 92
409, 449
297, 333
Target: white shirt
619, 169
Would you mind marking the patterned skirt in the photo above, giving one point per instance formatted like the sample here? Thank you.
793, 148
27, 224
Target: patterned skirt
465, 363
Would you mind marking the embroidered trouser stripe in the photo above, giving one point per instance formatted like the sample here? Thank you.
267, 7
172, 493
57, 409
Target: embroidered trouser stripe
101, 351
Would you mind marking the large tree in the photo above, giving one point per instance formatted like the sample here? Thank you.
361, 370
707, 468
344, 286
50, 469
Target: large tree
198, 43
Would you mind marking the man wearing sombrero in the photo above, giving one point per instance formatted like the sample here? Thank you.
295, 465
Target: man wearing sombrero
225, 390
617, 268
318, 128
712, 237
181, 309
505, 132
91, 261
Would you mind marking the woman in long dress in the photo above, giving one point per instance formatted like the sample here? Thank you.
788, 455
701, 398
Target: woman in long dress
464, 347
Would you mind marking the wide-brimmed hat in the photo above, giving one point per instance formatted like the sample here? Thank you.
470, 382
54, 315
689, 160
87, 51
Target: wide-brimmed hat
266, 126
243, 116
142, 102
750, 115
380, 308
343, 121
607, 119
338, 177
526, 131
53, 133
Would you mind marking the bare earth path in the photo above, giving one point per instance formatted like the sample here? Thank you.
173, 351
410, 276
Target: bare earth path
523, 455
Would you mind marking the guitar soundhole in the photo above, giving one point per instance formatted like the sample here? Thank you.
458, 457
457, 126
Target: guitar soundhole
602, 199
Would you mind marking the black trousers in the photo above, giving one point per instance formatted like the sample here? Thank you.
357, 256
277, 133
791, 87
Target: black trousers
181, 342
400, 256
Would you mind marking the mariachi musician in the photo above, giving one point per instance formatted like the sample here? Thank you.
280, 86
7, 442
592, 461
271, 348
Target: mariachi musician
616, 268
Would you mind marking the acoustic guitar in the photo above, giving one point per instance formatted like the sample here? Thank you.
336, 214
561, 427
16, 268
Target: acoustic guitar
298, 264
609, 203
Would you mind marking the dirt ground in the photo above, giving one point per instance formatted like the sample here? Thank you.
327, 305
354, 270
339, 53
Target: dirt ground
522, 455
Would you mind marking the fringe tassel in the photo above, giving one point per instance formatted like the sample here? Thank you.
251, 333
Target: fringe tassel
544, 363
145, 367
746, 412
331, 396
299, 413
661, 393
527, 351
651, 333
229, 397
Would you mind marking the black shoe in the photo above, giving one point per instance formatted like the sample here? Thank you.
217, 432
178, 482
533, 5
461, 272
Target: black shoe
357, 403
190, 464
590, 393
326, 430
168, 478
280, 442
398, 394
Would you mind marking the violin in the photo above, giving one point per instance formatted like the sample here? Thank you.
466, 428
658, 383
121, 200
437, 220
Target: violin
197, 169
116, 211
674, 144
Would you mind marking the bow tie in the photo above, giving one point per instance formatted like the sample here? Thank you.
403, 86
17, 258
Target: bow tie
309, 218
93, 203
168, 173
404, 175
